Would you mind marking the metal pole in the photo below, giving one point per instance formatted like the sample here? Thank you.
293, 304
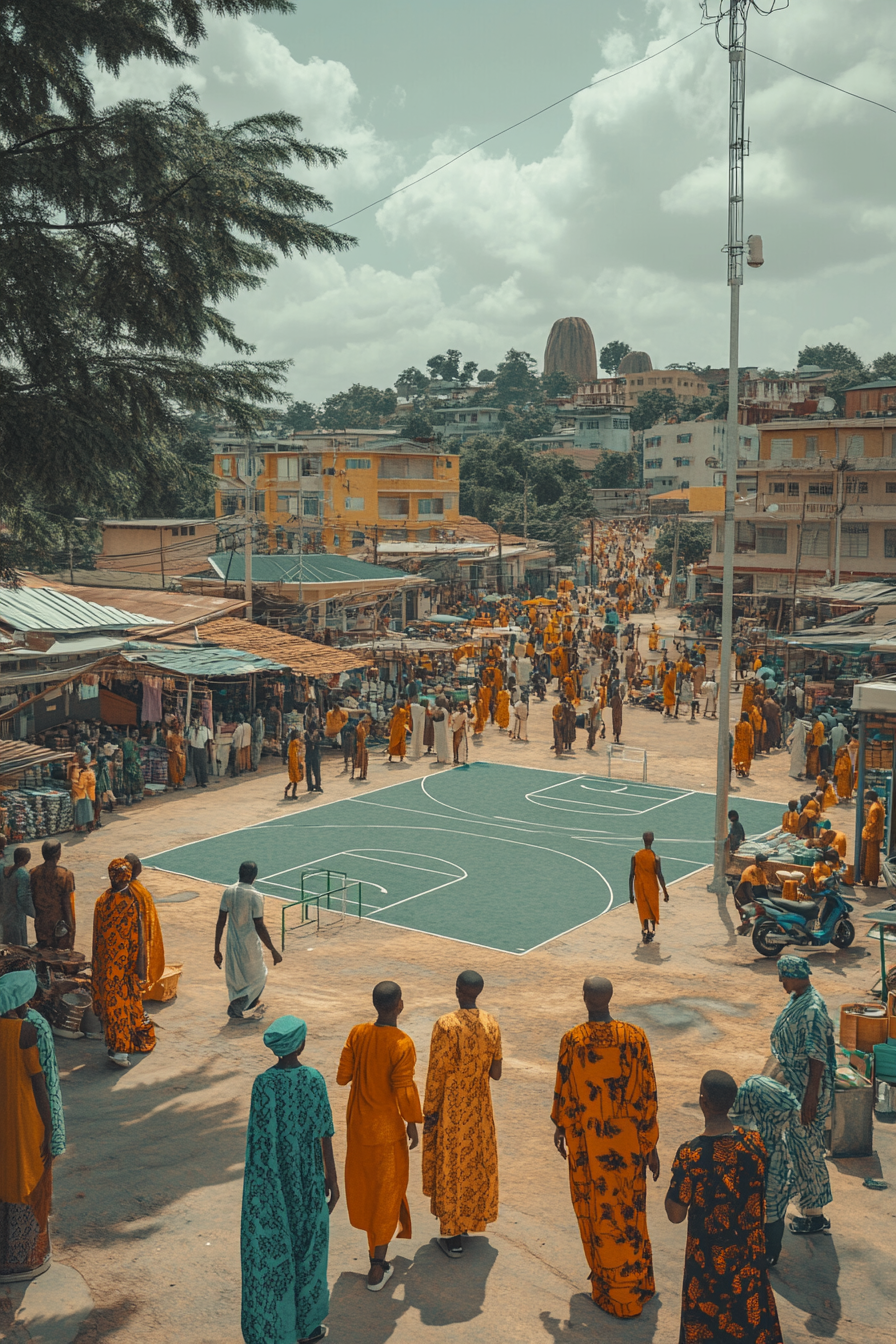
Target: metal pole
796, 564
838, 518
71, 564
591, 577
500, 525
162, 553
674, 575
737, 37
248, 586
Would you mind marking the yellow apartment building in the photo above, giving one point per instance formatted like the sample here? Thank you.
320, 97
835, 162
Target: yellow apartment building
682, 383
341, 492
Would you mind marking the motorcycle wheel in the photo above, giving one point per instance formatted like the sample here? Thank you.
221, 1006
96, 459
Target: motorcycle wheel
760, 930
844, 934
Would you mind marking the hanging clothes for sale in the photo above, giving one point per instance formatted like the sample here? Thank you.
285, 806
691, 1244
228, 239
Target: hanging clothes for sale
207, 714
151, 711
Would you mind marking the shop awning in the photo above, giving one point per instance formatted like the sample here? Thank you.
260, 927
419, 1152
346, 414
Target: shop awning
17, 757
302, 656
196, 660
875, 697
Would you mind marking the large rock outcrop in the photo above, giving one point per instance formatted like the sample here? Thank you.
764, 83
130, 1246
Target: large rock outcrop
570, 349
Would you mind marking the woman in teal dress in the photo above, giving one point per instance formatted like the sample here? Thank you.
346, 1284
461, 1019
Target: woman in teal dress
131, 773
290, 1189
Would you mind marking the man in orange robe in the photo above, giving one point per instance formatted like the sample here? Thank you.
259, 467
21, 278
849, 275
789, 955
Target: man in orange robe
151, 988
381, 1124
604, 1113
398, 732
460, 1148
872, 838
644, 881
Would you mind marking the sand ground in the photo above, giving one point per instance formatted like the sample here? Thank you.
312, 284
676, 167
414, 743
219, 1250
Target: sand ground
147, 1196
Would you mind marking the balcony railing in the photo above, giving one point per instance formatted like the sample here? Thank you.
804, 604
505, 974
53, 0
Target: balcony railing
822, 506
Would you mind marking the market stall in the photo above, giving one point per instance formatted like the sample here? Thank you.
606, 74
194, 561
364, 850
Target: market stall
32, 805
874, 703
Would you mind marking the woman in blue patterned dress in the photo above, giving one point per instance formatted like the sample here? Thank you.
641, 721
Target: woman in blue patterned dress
768, 1106
803, 1044
290, 1189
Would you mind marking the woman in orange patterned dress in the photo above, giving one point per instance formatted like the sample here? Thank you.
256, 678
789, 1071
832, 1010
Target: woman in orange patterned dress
460, 1147
718, 1184
119, 967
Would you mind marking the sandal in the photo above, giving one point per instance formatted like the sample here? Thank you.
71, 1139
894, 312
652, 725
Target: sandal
388, 1271
320, 1333
450, 1246
807, 1227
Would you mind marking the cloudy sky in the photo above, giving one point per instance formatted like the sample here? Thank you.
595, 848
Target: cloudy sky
612, 206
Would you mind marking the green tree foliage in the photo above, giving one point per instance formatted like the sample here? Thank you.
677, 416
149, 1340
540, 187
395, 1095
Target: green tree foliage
446, 367
502, 479
832, 355
615, 470
558, 384
415, 425
486, 376
468, 372
300, 416
123, 230
530, 422
412, 382
358, 408
652, 408
885, 365
694, 544
516, 380
612, 354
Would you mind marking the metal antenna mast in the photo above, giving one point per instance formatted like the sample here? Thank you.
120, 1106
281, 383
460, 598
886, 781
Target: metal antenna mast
735, 11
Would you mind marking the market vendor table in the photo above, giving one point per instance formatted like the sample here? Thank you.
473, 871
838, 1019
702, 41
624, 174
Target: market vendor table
884, 919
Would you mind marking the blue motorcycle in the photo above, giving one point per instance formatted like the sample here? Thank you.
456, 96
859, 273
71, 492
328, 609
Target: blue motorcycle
814, 923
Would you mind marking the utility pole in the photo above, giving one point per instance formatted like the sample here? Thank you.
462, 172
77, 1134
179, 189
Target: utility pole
499, 525
161, 554
735, 11
674, 575
796, 563
248, 543
591, 577
526, 507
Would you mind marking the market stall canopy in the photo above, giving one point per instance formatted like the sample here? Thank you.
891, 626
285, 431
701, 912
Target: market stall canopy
875, 697
196, 660
863, 592
406, 646
315, 570
303, 656
17, 757
441, 620
32, 610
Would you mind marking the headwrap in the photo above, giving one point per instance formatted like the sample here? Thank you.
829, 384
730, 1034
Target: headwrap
119, 871
795, 968
285, 1035
16, 988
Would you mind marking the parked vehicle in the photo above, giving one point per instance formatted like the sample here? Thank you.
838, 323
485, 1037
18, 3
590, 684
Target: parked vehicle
817, 922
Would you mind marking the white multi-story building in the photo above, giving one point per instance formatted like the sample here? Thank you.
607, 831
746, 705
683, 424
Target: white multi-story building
691, 453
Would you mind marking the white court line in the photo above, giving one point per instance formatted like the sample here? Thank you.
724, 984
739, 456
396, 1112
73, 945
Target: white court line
571, 774
363, 856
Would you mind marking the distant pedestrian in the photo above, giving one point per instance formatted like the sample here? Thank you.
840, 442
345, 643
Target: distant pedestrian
616, 711
198, 740
247, 936
313, 741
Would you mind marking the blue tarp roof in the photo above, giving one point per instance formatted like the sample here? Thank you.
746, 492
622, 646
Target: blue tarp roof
314, 569
200, 660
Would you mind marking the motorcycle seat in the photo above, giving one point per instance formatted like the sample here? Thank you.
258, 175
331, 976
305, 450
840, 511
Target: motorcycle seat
807, 909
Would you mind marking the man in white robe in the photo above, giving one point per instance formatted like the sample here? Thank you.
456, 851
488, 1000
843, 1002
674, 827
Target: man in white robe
418, 719
242, 912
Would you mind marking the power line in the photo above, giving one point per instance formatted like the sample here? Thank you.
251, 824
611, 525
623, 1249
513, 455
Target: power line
541, 111
815, 80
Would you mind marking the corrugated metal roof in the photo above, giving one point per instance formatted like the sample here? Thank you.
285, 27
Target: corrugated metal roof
17, 757
302, 655
199, 660
314, 569
49, 609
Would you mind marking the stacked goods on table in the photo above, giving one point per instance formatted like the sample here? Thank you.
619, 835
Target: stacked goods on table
64, 987
154, 764
34, 813
879, 754
784, 851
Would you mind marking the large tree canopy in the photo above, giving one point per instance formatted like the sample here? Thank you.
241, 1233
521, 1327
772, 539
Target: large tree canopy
123, 230
694, 544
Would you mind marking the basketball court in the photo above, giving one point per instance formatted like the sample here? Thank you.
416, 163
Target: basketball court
497, 856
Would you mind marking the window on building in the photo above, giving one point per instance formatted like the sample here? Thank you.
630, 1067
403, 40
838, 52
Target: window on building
311, 465
357, 464
890, 543
335, 538
744, 537
311, 506
404, 468
683, 438
777, 487
811, 449
856, 487
358, 538
820, 488
685, 485
781, 448
718, 478
648, 485
771, 540
654, 463
816, 539
682, 461
354, 503
430, 508
620, 422
891, 487
854, 539
394, 506
855, 447
793, 489
259, 501
226, 466
654, 441
287, 503
287, 468
395, 534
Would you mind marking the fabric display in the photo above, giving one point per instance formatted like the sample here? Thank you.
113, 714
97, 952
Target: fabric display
781, 848
90, 686
33, 813
207, 714
151, 711
154, 764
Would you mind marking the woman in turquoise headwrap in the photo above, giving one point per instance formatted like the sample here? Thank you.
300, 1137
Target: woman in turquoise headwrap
803, 1044
290, 1189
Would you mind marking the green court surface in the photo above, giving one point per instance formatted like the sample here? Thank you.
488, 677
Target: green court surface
492, 855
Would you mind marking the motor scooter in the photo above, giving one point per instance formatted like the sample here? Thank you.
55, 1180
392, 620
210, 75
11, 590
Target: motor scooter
823, 919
